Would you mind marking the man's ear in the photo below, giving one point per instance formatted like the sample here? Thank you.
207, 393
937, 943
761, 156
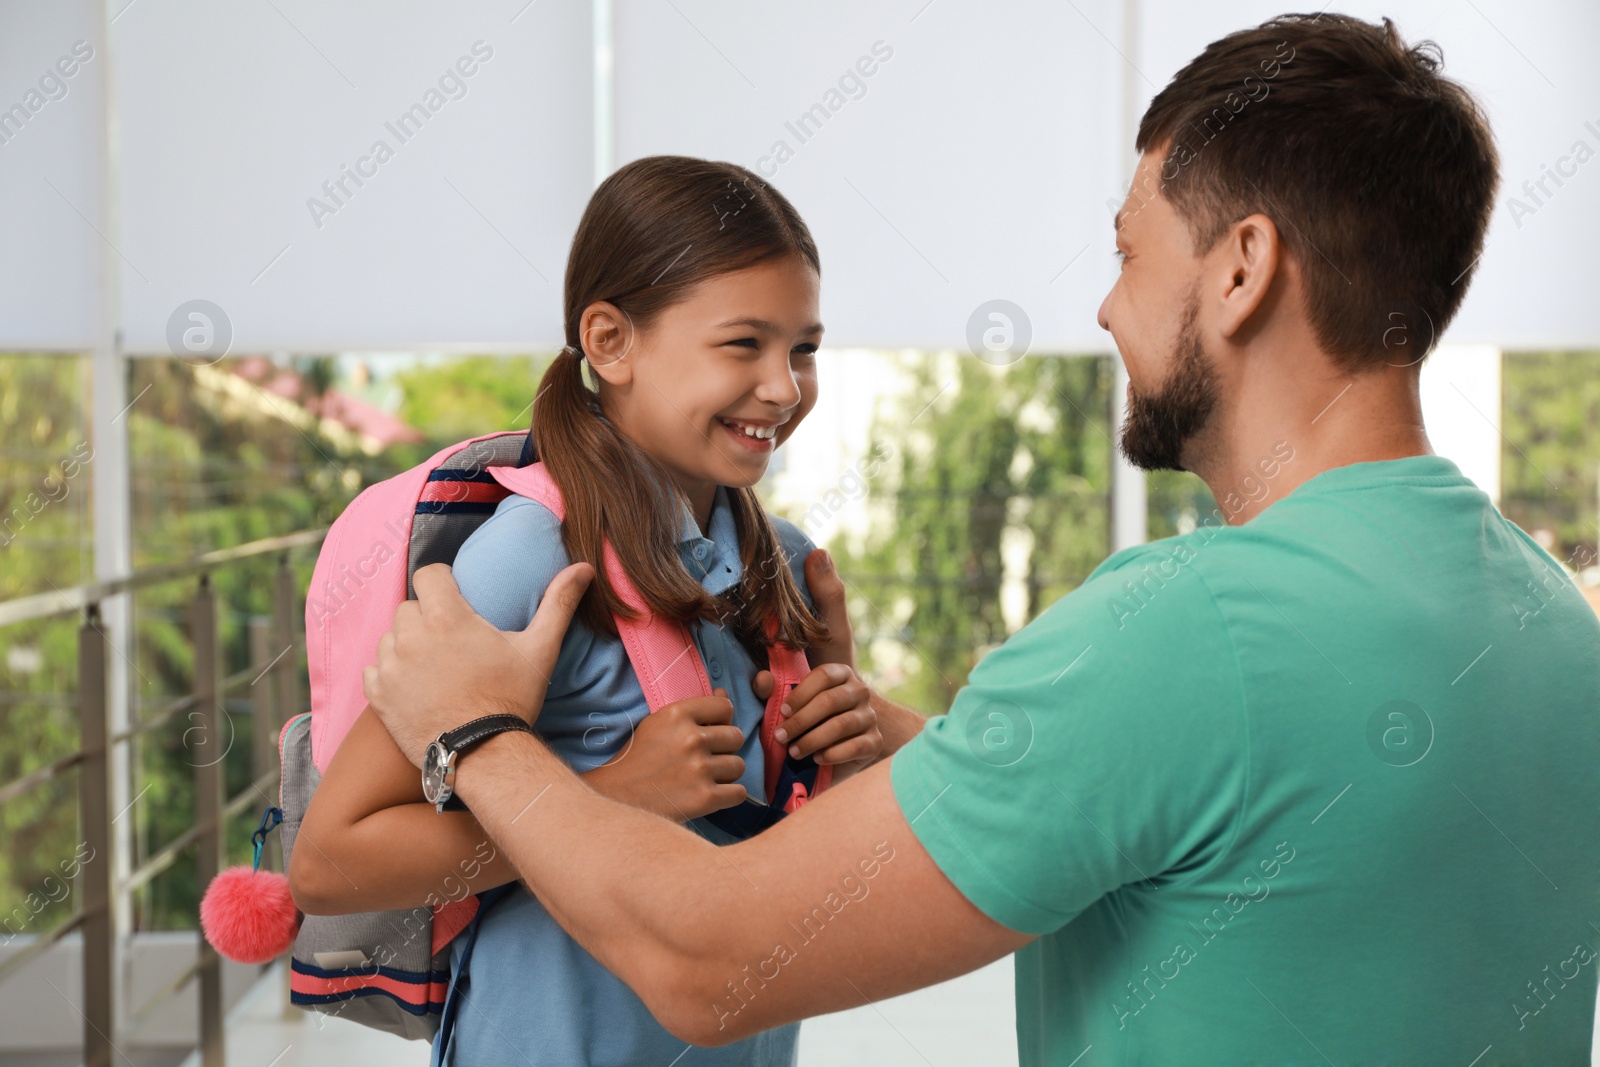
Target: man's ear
1250, 257
608, 337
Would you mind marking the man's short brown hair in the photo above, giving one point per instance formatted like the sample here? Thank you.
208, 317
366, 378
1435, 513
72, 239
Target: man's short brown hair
1379, 172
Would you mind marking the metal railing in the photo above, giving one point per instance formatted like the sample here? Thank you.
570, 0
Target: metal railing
99, 888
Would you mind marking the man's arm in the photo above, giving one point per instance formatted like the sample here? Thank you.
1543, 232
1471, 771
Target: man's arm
836, 906
898, 723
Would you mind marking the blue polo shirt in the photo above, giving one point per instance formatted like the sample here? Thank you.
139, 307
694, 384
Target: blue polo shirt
531, 994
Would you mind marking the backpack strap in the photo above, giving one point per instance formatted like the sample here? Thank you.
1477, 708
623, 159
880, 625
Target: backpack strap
663, 654
661, 650
789, 666
450, 1010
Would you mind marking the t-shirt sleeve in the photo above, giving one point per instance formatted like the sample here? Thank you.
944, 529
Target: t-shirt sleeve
507, 563
503, 570
1104, 744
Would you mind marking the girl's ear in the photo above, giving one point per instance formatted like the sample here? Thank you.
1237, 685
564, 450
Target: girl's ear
608, 336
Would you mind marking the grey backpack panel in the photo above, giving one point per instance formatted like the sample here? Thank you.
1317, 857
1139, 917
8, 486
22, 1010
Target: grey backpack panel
436, 537
374, 968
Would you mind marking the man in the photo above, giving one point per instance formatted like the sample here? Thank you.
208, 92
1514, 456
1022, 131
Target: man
1318, 782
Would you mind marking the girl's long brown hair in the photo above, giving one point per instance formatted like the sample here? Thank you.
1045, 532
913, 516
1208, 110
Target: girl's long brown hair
654, 230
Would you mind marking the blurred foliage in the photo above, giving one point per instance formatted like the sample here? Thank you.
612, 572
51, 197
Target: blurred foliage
985, 464
470, 396
1550, 456
989, 504
44, 541
212, 467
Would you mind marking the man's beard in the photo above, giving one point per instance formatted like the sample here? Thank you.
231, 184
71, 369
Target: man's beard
1161, 423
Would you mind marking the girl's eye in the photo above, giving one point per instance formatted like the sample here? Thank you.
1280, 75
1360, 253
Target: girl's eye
806, 349
1122, 257
750, 342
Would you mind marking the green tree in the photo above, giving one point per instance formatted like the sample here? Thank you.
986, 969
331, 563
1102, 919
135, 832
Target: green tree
211, 468
989, 466
44, 541
470, 396
1550, 457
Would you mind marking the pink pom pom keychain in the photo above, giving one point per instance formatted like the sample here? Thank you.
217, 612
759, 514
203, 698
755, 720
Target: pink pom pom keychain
248, 914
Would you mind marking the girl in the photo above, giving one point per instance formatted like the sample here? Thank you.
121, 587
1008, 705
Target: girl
691, 296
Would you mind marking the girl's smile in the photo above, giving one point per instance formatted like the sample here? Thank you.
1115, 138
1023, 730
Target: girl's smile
755, 435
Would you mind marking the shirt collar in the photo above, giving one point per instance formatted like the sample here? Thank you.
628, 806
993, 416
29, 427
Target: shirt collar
713, 558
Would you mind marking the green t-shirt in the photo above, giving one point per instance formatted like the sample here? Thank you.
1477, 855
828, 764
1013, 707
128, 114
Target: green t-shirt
1323, 788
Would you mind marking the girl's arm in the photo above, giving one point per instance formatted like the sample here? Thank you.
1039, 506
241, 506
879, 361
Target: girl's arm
370, 842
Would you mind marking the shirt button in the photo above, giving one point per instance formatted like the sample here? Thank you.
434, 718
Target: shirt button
716, 669
699, 551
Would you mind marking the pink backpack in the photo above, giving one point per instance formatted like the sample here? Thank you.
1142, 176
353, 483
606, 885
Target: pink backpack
390, 970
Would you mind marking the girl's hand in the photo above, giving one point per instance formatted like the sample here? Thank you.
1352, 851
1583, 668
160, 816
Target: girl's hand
681, 762
866, 731
829, 716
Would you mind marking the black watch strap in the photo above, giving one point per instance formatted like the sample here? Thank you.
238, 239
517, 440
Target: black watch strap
469, 734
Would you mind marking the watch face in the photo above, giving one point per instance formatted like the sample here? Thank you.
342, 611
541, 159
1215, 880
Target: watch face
433, 766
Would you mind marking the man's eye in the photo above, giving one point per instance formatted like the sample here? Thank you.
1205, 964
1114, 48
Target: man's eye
807, 349
1122, 257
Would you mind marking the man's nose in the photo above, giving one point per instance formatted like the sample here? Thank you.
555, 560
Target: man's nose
1100, 316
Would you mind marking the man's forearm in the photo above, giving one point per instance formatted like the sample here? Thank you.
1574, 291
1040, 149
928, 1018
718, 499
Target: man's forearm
548, 822
356, 868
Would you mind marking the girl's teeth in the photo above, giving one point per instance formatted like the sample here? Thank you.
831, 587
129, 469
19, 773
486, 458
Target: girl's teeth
762, 433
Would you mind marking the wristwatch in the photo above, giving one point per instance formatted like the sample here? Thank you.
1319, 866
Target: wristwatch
443, 755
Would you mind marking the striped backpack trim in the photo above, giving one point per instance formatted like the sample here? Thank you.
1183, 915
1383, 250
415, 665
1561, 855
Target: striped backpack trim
415, 992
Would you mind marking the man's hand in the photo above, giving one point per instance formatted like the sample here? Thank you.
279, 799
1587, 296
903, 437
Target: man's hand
442, 664
682, 761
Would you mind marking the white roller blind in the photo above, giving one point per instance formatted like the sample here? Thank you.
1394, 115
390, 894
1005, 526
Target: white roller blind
1531, 64
977, 161
971, 164
946, 155
51, 62
358, 175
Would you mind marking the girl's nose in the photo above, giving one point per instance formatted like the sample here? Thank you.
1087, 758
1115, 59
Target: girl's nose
778, 385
